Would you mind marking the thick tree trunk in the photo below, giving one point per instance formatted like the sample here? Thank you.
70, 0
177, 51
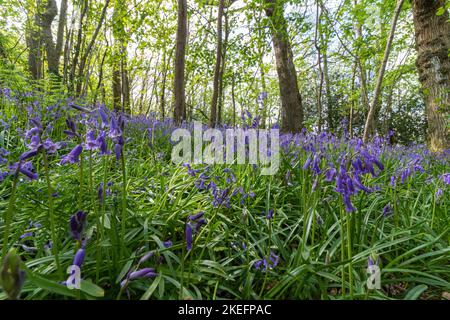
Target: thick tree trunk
180, 53
433, 63
47, 18
291, 100
33, 39
213, 116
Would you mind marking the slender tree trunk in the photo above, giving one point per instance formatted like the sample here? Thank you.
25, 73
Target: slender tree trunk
84, 8
213, 117
33, 39
291, 100
362, 67
222, 70
61, 27
179, 84
233, 99
369, 126
163, 86
330, 109
319, 61
88, 50
432, 33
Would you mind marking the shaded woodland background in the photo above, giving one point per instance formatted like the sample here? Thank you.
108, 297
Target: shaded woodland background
363, 67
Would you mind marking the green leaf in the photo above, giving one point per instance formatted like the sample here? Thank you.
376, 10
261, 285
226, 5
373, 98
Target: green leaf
49, 285
415, 292
91, 289
152, 288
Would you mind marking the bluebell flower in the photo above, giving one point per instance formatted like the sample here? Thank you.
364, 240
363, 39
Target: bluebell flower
72, 156
387, 210
77, 224
79, 257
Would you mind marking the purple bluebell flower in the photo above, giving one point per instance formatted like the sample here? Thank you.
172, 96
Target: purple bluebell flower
196, 216
77, 224
330, 174
24, 168
188, 234
269, 214
167, 244
387, 210
29, 154
146, 257
72, 156
50, 147
114, 129
142, 273
445, 178
91, 142
79, 257
101, 142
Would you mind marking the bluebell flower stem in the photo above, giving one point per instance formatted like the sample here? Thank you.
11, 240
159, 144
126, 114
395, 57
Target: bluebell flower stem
94, 206
124, 203
54, 233
349, 253
9, 213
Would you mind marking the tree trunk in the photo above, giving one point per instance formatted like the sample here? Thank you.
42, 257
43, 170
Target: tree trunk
319, 62
89, 47
213, 117
61, 26
33, 40
179, 85
432, 33
291, 100
222, 70
370, 120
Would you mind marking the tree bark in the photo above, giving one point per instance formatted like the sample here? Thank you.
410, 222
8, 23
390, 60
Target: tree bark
432, 33
369, 126
220, 103
89, 47
180, 54
213, 117
291, 100
61, 26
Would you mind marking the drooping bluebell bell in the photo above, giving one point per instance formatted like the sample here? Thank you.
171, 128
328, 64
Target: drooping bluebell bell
387, 210
439, 192
72, 132
167, 244
101, 142
28, 154
25, 168
79, 257
143, 273
91, 142
196, 216
188, 235
445, 178
50, 146
77, 224
72, 156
